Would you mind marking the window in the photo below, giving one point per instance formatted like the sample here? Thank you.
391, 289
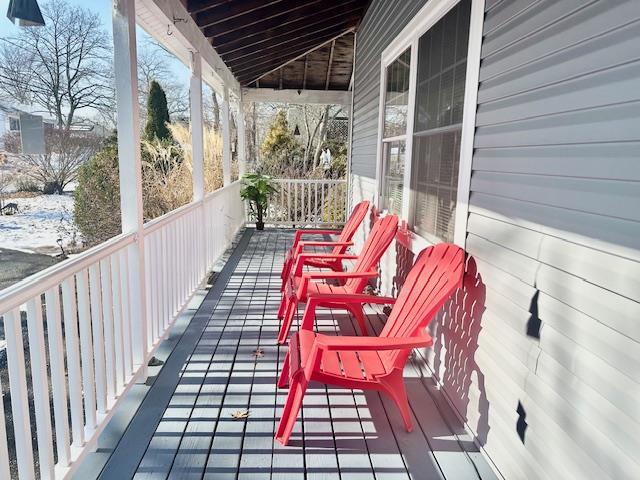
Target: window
396, 106
442, 65
14, 124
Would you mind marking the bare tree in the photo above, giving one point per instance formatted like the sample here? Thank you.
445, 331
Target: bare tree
316, 120
62, 66
65, 152
215, 109
154, 64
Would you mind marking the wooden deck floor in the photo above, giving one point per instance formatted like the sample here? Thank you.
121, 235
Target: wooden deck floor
185, 427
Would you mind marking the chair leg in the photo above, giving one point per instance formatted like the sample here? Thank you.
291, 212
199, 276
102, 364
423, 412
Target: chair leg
283, 380
285, 326
394, 387
291, 408
356, 311
283, 306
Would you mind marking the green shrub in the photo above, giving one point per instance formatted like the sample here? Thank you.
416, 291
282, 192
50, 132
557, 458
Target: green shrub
27, 184
157, 114
97, 196
282, 154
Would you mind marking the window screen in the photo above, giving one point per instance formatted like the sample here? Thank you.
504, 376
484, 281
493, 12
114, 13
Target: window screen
442, 64
396, 103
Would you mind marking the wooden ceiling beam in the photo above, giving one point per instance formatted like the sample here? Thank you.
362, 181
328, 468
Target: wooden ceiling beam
344, 13
326, 83
228, 11
304, 75
256, 62
313, 38
309, 13
195, 6
252, 74
278, 12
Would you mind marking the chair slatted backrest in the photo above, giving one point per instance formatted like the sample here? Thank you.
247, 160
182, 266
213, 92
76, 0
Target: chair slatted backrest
435, 275
353, 222
381, 235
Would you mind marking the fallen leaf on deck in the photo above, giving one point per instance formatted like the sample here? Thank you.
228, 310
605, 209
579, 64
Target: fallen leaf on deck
258, 352
240, 414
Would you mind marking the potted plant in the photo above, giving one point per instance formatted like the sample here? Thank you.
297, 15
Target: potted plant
256, 189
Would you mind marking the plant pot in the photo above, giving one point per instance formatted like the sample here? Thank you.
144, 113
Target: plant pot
259, 225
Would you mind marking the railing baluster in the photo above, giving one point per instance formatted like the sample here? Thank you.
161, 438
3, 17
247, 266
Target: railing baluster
117, 323
309, 186
19, 396
38, 355
58, 383
335, 203
86, 349
150, 278
125, 295
322, 205
73, 359
98, 337
107, 320
154, 268
315, 205
4, 447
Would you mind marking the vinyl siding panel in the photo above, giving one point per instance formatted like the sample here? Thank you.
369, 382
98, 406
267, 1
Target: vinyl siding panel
382, 23
555, 231
540, 351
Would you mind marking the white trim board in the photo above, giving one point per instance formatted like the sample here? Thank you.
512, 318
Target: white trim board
428, 16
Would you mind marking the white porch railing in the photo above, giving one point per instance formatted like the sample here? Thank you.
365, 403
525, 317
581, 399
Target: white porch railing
79, 323
310, 203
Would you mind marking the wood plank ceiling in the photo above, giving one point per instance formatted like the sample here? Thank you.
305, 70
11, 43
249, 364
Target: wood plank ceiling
296, 44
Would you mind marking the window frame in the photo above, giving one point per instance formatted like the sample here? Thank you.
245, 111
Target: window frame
13, 118
409, 37
381, 173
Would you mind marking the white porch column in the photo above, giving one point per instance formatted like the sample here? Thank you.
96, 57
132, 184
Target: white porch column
130, 167
242, 146
197, 145
226, 138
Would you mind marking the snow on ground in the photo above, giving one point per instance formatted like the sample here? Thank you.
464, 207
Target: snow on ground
41, 220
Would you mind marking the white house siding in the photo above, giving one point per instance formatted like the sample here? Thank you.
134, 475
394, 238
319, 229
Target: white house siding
540, 352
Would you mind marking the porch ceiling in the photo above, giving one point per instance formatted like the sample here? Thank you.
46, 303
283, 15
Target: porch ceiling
288, 44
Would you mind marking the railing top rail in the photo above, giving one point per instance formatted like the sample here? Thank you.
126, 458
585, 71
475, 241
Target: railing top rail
309, 180
211, 195
19, 293
173, 215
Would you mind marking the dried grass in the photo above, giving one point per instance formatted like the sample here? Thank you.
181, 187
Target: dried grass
167, 170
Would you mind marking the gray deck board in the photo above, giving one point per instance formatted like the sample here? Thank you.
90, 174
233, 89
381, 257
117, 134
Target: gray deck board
340, 435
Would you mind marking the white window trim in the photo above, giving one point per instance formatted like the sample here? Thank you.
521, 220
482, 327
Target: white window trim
428, 16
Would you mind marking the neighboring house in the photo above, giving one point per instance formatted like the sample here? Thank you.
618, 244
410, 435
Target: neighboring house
519, 142
10, 119
9, 122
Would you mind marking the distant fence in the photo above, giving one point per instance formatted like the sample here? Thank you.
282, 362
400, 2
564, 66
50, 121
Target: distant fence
310, 203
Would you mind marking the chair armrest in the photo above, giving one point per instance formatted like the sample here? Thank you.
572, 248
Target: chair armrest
328, 343
351, 298
302, 257
338, 275
306, 277
315, 300
312, 231
301, 245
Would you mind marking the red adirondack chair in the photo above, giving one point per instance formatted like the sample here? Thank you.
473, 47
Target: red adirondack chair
300, 284
371, 363
339, 246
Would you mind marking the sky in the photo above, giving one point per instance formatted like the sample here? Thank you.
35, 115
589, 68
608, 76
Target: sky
103, 9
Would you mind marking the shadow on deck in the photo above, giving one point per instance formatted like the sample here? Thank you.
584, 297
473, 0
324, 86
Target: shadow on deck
224, 359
